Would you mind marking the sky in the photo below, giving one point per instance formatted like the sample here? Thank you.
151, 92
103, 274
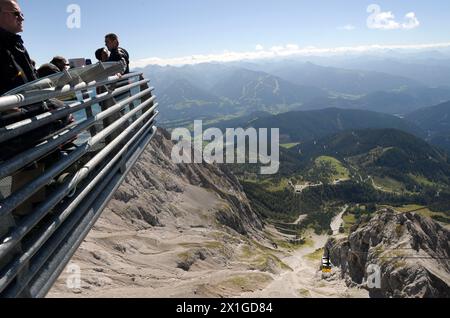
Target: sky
184, 31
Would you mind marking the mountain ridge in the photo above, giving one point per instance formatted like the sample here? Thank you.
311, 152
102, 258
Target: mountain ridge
412, 253
302, 126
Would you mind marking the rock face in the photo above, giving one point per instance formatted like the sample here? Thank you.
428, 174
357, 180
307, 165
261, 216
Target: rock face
172, 230
410, 252
149, 188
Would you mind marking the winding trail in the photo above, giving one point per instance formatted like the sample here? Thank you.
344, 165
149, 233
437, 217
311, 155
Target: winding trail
338, 221
305, 279
300, 219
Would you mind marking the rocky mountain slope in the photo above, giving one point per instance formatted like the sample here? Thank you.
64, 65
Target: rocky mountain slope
152, 185
174, 230
188, 231
411, 251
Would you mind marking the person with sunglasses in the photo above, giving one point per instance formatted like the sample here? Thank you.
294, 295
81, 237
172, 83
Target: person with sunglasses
56, 65
16, 67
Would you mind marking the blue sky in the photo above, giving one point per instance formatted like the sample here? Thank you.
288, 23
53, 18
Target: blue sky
179, 28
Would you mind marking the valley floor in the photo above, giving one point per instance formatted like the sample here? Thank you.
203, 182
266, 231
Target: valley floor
120, 263
305, 280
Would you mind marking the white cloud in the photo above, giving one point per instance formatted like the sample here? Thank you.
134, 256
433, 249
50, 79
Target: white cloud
259, 47
412, 21
278, 51
347, 27
386, 20
292, 47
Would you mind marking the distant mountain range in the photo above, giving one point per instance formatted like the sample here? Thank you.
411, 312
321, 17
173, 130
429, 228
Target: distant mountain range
302, 126
430, 123
429, 70
213, 90
231, 93
386, 153
435, 121
356, 142
339, 80
183, 100
259, 90
398, 102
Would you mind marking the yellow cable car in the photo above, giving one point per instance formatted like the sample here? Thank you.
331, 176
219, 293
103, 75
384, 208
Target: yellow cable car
326, 265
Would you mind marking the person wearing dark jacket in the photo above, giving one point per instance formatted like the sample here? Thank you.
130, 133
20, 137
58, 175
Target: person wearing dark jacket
47, 69
15, 64
56, 65
16, 69
116, 52
102, 54
60, 62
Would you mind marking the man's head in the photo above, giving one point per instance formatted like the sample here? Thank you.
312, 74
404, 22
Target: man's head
11, 17
60, 62
47, 69
102, 54
111, 41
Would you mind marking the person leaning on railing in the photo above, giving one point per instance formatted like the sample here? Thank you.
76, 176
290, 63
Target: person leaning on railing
16, 66
16, 69
117, 53
102, 54
56, 65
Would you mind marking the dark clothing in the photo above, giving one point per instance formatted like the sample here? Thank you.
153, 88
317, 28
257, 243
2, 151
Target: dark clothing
16, 70
120, 54
47, 69
15, 63
28, 140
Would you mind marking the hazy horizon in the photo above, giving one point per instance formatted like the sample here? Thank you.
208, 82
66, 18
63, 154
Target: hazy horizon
171, 32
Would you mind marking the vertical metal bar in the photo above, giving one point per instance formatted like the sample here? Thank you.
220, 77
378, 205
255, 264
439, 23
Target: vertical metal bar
144, 87
90, 114
108, 121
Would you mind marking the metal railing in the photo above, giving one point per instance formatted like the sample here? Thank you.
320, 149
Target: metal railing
115, 121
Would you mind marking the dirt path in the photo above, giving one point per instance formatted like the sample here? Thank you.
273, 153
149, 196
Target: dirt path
338, 221
300, 219
305, 279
